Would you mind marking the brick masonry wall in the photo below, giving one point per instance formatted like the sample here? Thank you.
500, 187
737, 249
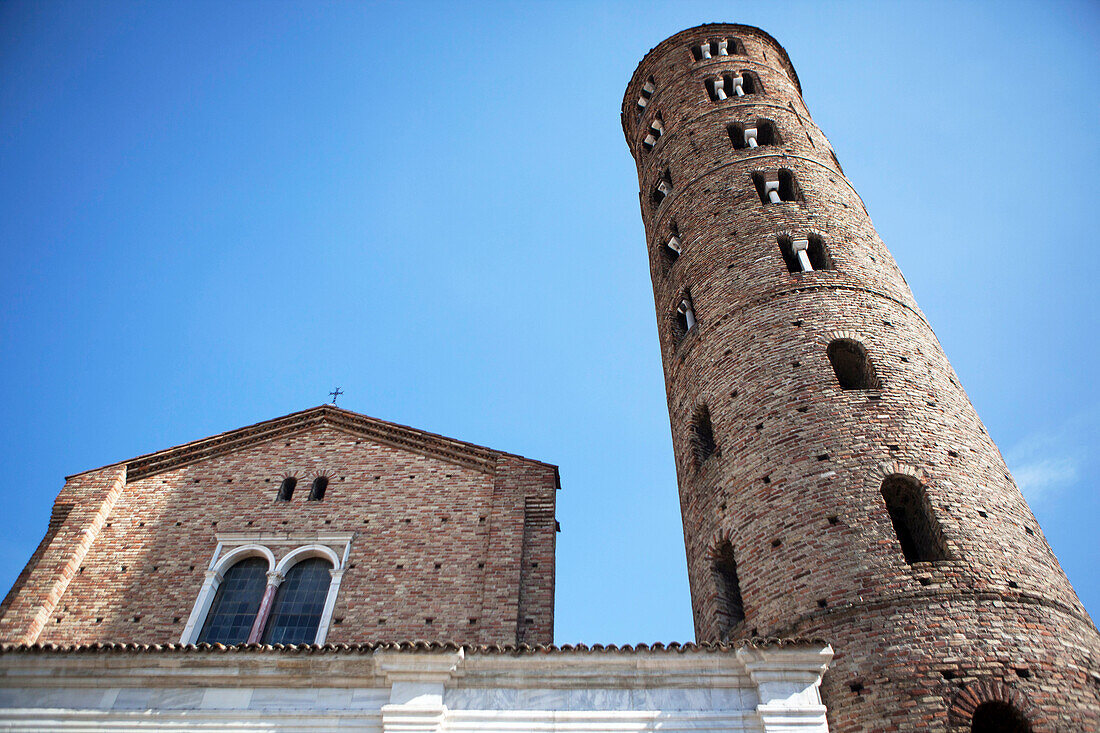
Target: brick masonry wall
410, 511
795, 485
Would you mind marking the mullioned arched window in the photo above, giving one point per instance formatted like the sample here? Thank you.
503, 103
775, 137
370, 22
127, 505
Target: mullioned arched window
299, 603
236, 603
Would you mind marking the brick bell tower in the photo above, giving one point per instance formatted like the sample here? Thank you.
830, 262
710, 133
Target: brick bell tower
834, 479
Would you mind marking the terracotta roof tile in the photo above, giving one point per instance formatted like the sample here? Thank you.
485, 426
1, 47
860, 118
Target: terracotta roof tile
416, 645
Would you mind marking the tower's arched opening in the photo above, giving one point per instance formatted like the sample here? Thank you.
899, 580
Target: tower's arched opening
753, 134
683, 319
670, 248
730, 608
804, 254
776, 188
998, 717
917, 530
703, 445
852, 365
661, 189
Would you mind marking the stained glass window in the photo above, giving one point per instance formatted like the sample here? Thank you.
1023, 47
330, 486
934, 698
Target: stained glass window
296, 613
236, 603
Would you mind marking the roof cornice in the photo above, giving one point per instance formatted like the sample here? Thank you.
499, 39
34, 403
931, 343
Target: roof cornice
469, 455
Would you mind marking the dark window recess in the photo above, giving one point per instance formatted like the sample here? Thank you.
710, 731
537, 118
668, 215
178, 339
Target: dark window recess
653, 134
777, 187
296, 611
317, 491
236, 603
730, 608
645, 95
671, 248
731, 84
852, 366
911, 514
703, 445
286, 488
817, 257
717, 47
683, 320
758, 133
662, 188
998, 717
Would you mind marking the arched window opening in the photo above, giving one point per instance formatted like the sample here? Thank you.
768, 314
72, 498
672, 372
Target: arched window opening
671, 249
299, 604
758, 133
788, 189
662, 189
805, 254
750, 83
317, 491
653, 134
646, 94
730, 608
286, 488
852, 366
774, 188
723, 87
236, 603
683, 320
730, 84
911, 514
998, 717
717, 47
703, 445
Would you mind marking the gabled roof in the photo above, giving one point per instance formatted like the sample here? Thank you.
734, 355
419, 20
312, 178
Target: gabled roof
465, 454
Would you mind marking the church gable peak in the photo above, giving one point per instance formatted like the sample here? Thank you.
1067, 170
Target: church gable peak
355, 424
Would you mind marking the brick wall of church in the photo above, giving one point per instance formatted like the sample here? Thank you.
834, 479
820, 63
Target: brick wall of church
791, 484
436, 554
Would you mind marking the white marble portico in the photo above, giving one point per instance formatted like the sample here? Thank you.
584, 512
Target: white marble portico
766, 687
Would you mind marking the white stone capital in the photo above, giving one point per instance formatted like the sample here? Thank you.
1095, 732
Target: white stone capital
786, 678
435, 667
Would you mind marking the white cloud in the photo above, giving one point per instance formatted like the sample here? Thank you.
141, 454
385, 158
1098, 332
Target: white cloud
1044, 478
1047, 463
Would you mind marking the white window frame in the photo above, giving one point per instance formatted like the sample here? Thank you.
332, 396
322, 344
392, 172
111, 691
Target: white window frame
233, 547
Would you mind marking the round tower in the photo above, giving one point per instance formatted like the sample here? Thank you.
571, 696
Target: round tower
834, 478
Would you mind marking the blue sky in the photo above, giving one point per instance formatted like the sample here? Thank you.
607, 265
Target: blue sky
214, 213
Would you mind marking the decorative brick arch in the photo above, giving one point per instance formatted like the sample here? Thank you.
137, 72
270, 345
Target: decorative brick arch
968, 699
859, 338
891, 468
717, 539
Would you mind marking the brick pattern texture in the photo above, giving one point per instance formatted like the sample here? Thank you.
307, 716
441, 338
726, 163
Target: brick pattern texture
443, 548
795, 482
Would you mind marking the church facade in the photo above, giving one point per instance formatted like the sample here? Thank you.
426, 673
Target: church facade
859, 556
326, 570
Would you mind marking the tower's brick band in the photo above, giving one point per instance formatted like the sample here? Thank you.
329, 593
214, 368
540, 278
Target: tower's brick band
881, 517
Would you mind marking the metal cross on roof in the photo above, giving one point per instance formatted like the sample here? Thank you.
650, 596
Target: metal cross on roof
335, 393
